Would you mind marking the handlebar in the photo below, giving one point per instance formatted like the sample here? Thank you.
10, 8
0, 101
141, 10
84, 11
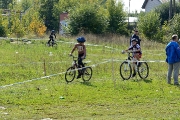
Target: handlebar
74, 58
129, 51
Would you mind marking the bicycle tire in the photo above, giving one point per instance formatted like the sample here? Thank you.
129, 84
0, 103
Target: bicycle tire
125, 70
87, 74
47, 44
54, 45
70, 72
143, 70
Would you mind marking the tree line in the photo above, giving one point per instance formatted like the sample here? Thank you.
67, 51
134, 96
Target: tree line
22, 17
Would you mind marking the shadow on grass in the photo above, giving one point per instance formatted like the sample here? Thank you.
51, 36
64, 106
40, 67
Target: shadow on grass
88, 84
144, 80
147, 80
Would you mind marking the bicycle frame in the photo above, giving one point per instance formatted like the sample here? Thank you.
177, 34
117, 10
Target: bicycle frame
74, 63
84, 72
130, 60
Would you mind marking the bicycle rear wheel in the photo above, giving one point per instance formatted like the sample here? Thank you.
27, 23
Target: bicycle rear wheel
47, 44
87, 74
54, 45
70, 74
125, 70
143, 70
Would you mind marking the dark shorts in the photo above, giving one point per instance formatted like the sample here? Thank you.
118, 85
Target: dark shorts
80, 55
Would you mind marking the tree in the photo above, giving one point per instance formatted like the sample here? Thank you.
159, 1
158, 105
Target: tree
3, 26
88, 17
163, 10
149, 24
46, 12
5, 3
26, 4
175, 25
116, 18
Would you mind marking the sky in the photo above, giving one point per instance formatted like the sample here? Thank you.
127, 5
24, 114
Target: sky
134, 5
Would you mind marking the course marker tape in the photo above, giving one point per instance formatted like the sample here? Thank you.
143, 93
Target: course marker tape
122, 60
35, 79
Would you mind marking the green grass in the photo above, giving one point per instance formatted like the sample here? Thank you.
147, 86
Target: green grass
106, 96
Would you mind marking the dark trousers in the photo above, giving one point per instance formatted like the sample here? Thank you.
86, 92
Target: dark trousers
50, 40
80, 63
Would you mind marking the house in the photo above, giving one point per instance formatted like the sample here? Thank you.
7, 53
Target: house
63, 23
148, 5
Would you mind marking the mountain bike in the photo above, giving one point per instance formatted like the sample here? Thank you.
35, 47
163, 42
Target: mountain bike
51, 44
141, 68
86, 72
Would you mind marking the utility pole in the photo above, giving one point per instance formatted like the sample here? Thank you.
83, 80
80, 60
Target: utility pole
129, 15
174, 7
170, 10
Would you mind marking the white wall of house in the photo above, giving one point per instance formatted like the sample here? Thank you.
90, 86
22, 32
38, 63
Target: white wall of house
63, 26
151, 4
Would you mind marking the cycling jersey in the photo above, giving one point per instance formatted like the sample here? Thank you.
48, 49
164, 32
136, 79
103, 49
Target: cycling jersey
135, 47
51, 35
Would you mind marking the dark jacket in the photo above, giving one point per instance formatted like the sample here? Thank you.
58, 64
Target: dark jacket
137, 37
172, 52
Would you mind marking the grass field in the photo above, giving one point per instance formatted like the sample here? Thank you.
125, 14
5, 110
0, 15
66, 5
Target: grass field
26, 94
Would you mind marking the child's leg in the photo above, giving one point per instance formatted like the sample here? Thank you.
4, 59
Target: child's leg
80, 62
134, 64
137, 56
49, 41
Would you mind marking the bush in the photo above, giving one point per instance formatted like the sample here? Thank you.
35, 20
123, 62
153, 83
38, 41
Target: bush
89, 18
149, 24
2, 31
163, 33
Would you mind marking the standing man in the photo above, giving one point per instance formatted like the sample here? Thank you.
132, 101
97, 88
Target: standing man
135, 35
173, 59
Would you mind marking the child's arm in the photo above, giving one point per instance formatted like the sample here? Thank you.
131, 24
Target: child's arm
84, 51
55, 35
128, 48
73, 50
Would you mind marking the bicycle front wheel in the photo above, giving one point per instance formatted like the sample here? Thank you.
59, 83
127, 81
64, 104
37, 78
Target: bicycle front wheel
87, 74
70, 74
143, 70
125, 70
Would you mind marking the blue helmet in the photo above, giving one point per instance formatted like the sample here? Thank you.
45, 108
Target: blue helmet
52, 31
81, 39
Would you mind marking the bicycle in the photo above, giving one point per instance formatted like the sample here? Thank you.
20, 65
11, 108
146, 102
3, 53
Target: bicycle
86, 72
141, 68
51, 44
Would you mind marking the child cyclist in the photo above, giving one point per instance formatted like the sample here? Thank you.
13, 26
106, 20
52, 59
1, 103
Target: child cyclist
51, 37
81, 52
136, 50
